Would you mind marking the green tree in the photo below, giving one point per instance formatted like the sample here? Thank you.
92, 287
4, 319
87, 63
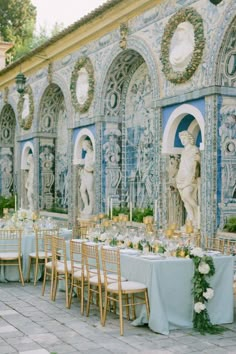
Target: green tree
17, 24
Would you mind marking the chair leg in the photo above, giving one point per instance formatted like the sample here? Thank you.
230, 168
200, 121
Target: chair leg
54, 290
100, 303
44, 280
105, 309
67, 290
36, 270
71, 293
82, 297
127, 306
52, 282
147, 304
121, 315
133, 307
88, 301
20, 271
29, 267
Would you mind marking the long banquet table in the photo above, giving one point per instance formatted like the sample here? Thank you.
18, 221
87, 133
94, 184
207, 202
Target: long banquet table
10, 273
169, 284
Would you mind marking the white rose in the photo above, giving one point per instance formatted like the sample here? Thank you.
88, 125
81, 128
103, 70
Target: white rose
199, 307
197, 252
208, 294
203, 268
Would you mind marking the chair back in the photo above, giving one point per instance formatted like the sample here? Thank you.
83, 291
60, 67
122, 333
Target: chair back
214, 244
111, 265
76, 257
59, 258
40, 235
80, 232
10, 243
91, 260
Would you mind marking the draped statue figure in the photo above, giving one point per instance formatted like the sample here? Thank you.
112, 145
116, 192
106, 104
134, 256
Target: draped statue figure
29, 182
87, 178
187, 176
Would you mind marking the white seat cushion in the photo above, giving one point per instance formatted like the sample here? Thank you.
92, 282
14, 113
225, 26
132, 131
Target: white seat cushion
61, 268
111, 279
8, 255
41, 255
127, 286
48, 265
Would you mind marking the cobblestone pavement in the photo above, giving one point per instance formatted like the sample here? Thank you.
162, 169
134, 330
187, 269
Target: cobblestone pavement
33, 324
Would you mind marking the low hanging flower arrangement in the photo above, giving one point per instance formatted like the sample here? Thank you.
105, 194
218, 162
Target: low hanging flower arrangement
202, 292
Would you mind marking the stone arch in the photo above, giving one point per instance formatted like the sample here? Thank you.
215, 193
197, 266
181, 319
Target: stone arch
77, 153
27, 148
130, 80
224, 29
171, 128
139, 46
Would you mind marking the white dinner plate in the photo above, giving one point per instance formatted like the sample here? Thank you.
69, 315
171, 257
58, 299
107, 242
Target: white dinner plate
152, 256
130, 251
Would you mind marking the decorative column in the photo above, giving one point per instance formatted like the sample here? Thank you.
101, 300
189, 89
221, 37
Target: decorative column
208, 202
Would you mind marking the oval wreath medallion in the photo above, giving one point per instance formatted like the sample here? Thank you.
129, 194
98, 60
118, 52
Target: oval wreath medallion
26, 122
87, 65
184, 15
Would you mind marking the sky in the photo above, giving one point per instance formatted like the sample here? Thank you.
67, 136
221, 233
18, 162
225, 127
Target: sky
62, 11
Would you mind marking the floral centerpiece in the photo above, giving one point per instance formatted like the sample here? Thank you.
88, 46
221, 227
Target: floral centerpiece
202, 291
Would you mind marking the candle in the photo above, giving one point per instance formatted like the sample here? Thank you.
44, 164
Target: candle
130, 211
155, 211
111, 207
15, 202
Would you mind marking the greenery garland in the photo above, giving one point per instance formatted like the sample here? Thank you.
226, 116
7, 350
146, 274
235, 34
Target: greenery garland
86, 63
202, 292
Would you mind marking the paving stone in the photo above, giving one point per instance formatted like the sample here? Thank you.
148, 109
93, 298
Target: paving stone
34, 323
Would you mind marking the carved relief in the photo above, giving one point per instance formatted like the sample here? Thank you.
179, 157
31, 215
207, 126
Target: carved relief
47, 176
7, 126
112, 153
50, 106
182, 45
6, 168
123, 35
25, 108
82, 85
227, 132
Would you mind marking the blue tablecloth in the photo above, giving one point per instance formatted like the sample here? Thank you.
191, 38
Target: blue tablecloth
169, 284
10, 273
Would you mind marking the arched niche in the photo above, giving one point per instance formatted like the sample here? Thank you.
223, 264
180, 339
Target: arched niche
195, 126
78, 150
27, 149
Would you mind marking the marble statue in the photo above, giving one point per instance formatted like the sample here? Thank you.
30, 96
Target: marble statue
29, 182
187, 177
87, 178
182, 46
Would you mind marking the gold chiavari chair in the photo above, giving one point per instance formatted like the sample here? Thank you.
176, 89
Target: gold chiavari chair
77, 272
80, 232
48, 264
10, 250
92, 268
38, 256
61, 268
115, 291
214, 244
